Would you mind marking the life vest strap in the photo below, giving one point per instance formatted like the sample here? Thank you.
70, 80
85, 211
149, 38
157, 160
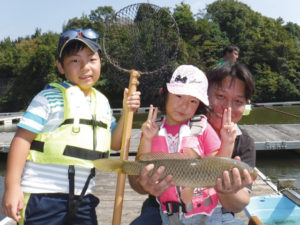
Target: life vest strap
86, 122
37, 146
73, 151
83, 153
72, 205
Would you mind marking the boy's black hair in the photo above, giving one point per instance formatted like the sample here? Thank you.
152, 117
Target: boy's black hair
72, 48
230, 48
235, 70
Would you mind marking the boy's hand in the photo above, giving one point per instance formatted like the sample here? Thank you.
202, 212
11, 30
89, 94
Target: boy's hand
150, 128
228, 130
133, 102
13, 203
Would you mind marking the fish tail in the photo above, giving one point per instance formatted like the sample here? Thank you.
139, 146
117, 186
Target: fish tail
109, 165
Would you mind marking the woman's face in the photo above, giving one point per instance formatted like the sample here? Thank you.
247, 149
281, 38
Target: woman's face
231, 93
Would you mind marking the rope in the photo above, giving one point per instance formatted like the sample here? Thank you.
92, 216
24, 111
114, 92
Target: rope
276, 110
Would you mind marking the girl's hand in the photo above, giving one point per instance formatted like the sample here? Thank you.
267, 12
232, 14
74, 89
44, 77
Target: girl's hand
133, 102
228, 130
149, 127
13, 203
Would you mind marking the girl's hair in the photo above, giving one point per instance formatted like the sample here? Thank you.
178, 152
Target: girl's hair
235, 70
161, 101
72, 48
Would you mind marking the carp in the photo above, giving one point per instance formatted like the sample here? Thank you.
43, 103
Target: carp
187, 172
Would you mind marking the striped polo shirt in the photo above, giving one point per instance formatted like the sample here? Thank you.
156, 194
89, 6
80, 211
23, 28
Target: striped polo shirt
44, 114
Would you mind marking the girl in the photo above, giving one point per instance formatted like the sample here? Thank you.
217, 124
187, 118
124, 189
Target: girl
184, 131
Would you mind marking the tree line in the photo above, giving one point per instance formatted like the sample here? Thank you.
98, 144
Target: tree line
269, 48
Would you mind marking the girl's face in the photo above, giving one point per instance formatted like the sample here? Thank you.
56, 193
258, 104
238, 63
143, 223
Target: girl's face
180, 108
231, 93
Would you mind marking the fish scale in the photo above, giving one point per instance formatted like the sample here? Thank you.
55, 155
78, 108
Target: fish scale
200, 172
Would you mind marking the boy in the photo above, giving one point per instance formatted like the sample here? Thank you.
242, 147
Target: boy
230, 53
65, 127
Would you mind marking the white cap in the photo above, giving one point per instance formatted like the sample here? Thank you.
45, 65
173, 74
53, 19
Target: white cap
189, 80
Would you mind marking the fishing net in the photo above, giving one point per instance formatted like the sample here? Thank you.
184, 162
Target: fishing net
141, 40
143, 37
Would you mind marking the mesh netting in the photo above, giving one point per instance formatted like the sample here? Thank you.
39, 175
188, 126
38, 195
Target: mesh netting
143, 37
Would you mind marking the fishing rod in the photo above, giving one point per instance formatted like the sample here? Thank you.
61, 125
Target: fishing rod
277, 110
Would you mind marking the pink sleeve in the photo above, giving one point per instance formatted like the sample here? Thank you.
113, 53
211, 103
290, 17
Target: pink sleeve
209, 140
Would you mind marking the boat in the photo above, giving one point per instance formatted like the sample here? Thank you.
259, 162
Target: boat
282, 207
275, 209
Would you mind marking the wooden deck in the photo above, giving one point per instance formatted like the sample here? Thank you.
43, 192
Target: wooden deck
106, 182
274, 136
105, 190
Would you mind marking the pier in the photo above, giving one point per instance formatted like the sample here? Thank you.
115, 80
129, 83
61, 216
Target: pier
266, 137
132, 203
10, 118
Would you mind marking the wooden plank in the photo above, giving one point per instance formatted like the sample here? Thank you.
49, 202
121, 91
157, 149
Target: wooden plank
274, 136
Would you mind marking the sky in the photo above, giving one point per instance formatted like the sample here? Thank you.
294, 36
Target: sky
20, 18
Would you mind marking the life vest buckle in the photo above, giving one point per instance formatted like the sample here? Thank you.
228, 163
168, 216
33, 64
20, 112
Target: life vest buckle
174, 207
75, 129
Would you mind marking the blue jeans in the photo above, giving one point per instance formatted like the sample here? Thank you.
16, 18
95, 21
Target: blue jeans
149, 216
216, 218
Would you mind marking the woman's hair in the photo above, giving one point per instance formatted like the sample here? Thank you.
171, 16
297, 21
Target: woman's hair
72, 48
161, 101
235, 70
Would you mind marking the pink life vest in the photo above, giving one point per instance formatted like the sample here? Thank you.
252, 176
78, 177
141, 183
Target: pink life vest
205, 200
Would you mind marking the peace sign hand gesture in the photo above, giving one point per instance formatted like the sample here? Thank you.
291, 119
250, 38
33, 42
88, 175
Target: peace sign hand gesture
149, 127
228, 132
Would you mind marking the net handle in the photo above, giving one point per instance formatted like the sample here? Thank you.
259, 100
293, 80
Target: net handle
126, 134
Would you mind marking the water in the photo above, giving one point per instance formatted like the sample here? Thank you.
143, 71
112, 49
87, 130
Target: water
273, 164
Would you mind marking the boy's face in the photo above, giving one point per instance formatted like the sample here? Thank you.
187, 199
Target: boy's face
83, 68
232, 56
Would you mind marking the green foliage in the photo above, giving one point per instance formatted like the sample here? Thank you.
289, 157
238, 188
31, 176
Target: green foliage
269, 48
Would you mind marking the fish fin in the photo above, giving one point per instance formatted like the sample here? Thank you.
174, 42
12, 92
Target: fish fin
156, 156
109, 165
164, 155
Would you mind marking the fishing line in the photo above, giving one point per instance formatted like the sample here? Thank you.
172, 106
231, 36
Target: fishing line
279, 111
